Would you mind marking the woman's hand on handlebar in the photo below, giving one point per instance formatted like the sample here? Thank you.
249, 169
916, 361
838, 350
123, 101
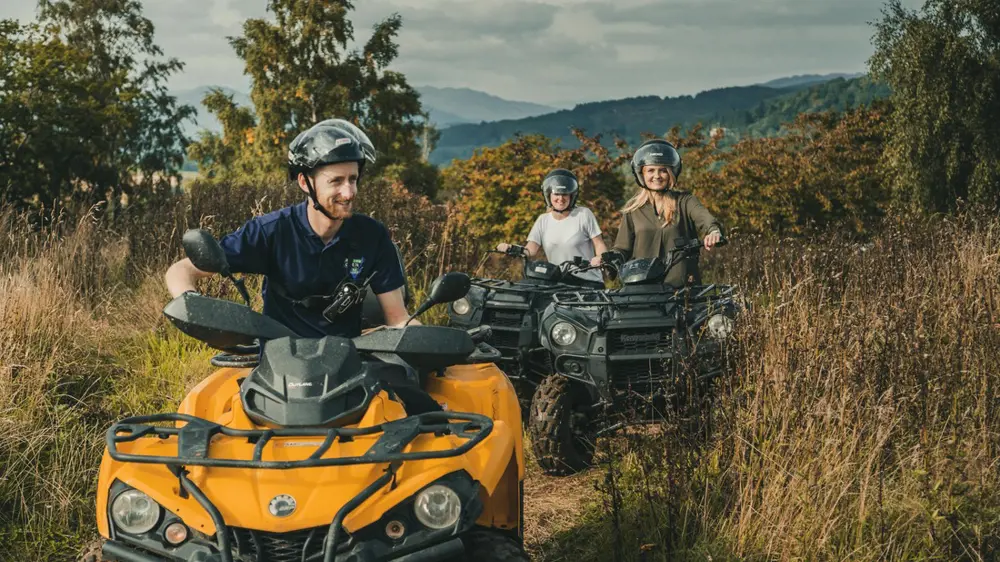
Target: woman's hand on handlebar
503, 247
712, 239
596, 261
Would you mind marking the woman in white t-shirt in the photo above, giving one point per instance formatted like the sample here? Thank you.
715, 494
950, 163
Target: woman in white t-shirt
566, 231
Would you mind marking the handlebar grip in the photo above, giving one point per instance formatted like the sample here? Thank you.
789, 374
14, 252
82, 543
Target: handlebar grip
480, 333
517, 251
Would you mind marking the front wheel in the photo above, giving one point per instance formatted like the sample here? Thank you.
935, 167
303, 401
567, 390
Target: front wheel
482, 545
560, 436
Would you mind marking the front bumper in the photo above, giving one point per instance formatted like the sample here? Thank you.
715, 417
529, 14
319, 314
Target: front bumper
369, 544
120, 552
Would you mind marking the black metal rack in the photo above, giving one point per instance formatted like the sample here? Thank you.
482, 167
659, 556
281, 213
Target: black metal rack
194, 439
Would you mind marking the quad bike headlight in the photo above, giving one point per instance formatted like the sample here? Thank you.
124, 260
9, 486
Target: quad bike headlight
438, 507
563, 333
462, 306
134, 512
720, 326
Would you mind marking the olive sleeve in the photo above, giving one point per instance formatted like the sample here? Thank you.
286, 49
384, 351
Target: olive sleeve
703, 220
626, 236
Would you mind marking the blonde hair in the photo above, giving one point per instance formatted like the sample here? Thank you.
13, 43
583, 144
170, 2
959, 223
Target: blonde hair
644, 196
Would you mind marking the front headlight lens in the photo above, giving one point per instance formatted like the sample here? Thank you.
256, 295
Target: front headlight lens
462, 306
438, 507
134, 512
563, 333
720, 326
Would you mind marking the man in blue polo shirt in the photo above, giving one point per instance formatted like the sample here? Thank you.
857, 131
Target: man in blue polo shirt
312, 252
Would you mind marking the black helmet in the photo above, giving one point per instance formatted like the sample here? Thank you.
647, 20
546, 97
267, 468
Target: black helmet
329, 142
655, 152
560, 181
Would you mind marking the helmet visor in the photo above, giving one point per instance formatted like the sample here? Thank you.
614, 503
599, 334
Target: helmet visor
560, 184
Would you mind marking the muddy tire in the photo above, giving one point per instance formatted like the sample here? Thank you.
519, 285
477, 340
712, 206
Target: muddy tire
483, 545
561, 444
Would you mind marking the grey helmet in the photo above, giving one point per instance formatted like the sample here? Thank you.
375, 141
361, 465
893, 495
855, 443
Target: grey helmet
655, 152
328, 142
560, 181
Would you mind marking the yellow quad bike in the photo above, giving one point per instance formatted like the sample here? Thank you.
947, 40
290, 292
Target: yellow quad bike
400, 444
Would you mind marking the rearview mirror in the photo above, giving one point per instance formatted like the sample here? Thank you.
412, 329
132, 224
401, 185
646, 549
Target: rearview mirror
204, 251
448, 288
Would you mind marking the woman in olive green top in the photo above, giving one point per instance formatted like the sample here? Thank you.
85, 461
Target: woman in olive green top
658, 215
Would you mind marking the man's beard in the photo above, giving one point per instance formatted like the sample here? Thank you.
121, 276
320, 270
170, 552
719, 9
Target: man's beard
340, 212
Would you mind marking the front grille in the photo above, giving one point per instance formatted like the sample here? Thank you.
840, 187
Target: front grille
638, 341
504, 318
263, 546
504, 339
639, 374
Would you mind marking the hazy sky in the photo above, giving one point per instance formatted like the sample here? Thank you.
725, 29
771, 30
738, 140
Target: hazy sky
555, 51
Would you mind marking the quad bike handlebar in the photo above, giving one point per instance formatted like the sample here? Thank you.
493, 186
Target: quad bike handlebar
684, 250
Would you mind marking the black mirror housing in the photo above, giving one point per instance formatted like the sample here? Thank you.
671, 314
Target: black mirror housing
204, 251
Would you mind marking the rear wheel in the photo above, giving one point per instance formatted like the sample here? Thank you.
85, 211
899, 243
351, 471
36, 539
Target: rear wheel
560, 436
483, 545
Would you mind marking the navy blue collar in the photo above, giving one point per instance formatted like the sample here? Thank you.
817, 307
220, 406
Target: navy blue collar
302, 214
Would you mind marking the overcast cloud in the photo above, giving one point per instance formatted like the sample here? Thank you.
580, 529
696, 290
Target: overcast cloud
557, 51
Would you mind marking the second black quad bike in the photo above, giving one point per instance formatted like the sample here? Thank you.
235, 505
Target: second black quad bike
512, 310
625, 356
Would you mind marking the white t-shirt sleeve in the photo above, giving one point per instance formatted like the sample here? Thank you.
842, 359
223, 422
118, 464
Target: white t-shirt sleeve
590, 226
536, 231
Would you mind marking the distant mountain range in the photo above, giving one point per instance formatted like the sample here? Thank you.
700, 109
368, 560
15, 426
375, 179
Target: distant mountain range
807, 79
446, 107
756, 109
470, 119
472, 106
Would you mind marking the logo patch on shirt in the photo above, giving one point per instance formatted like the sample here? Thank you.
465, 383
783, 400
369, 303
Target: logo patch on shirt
354, 267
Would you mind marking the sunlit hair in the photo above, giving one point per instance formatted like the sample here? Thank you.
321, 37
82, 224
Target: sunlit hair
644, 195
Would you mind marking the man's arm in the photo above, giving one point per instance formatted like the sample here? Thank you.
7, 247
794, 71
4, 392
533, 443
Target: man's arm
182, 276
246, 251
394, 309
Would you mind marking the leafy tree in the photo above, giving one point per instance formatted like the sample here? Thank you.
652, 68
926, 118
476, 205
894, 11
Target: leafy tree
823, 170
84, 109
943, 65
499, 189
302, 73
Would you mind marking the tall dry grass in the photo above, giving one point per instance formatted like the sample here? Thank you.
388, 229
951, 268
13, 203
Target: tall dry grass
83, 341
861, 420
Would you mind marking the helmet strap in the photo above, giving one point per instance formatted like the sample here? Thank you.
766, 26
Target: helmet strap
315, 200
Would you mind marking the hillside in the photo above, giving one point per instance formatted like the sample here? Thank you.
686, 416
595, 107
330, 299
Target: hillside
757, 109
807, 79
836, 95
472, 106
446, 106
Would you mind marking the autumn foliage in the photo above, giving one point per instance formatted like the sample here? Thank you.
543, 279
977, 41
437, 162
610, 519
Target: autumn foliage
498, 191
823, 171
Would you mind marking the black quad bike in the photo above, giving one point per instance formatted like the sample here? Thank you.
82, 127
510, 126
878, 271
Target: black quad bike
626, 356
512, 310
